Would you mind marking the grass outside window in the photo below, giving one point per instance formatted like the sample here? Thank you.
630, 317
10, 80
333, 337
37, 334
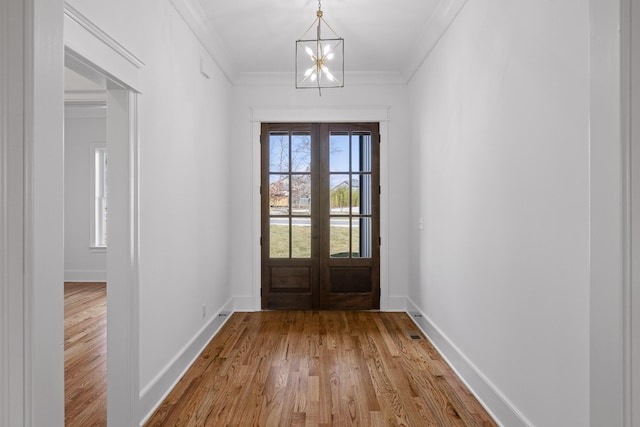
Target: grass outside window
301, 238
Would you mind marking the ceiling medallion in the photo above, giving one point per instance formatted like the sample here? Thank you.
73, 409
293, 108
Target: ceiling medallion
319, 61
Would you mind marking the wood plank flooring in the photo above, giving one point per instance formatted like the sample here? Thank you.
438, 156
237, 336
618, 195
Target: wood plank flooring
85, 354
326, 368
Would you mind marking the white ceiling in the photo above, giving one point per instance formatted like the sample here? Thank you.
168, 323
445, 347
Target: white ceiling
385, 40
258, 36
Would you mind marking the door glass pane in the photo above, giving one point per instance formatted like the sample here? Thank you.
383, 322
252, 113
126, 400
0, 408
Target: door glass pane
279, 152
301, 152
301, 238
278, 194
339, 152
361, 237
339, 194
361, 152
355, 194
301, 194
339, 237
279, 238
361, 194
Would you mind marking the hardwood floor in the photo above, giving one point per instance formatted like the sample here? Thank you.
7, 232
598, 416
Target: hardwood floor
327, 368
85, 354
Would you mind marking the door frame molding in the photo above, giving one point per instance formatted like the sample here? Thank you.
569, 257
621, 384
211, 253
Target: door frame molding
630, 73
378, 114
90, 50
31, 375
612, 216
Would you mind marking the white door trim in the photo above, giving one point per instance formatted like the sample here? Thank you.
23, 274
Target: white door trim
123, 390
97, 47
32, 213
88, 46
610, 212
630, 29
12, 103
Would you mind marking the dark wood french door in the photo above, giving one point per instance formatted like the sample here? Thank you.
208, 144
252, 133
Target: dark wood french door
320, 216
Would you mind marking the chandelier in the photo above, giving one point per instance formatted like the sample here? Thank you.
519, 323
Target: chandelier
319, 61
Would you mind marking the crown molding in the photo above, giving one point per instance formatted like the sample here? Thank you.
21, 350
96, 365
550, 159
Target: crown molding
352, 78
84, 22
195, 17
433, 30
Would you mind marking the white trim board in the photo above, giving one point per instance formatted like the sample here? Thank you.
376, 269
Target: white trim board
87, 43
154, 393
498, 406
608, 213
315, 114
123, 259
631, 114
78, 18
7, 62
397, 304
244, 303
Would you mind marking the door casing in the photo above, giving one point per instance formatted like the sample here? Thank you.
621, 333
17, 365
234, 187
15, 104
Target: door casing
320, 280
378, 114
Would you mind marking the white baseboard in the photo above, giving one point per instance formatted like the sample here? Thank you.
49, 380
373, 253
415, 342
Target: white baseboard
397, 304
154, 393
85, 275
502, 411
243, 304
247, 304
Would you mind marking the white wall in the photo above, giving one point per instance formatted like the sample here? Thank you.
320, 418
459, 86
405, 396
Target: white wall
500, 176
184, 185
353, 98
500, 143
83, 127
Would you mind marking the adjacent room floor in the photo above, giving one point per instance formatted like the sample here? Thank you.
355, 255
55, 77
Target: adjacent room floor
85, 354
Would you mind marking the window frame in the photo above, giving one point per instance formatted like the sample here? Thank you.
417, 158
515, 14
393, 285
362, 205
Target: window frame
97, 189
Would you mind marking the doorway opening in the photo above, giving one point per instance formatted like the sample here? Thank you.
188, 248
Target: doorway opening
111, 194
85, 256
320, 209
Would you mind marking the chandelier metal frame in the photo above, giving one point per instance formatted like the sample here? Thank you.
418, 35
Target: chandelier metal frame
319, 61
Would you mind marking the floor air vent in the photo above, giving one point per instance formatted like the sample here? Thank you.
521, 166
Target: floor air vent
414, 335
